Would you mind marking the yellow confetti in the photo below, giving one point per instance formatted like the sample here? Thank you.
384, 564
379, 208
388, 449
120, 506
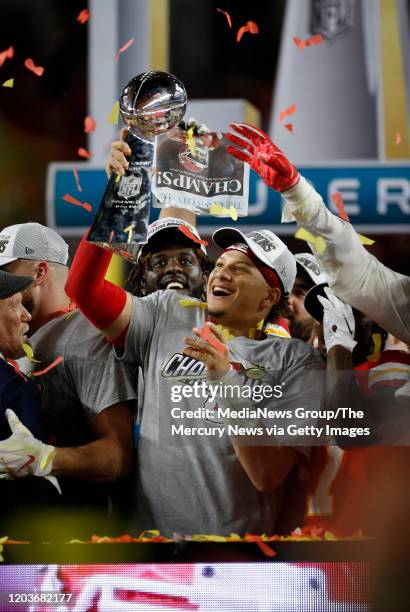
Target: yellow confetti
365, 240
273, 329
377, 346
8, 83
217, 210
114, 115
193, 304
129, 229
28, 350
318, 241
328, 535
191, 141
226, 332
117, 178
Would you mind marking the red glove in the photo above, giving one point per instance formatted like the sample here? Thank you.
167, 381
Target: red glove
263, 156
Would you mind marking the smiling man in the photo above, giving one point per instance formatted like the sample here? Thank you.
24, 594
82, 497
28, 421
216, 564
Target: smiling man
211, 485
171, 260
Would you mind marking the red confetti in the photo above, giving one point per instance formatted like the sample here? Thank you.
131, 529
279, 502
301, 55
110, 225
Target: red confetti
84, 153
125, 47
250, 27
30, 65
89, 124
7, 54
308, 42
77, 179
289, 127
83, 16
267, 550
227, 15
207, 334
337, 198
288, 111
398, 137
16, 366
191, 236
68, 198
53, 364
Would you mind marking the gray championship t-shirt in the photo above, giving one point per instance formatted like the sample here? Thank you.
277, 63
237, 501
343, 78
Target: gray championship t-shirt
89, 379
197, 485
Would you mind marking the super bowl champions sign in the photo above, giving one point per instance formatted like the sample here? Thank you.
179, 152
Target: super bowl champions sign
376, 196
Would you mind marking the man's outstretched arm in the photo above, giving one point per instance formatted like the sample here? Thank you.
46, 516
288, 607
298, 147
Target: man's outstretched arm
354, 274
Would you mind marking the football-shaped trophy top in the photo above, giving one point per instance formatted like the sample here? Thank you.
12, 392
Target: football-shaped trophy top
152, 103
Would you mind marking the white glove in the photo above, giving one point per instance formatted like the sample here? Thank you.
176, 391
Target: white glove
338, 322
23, 455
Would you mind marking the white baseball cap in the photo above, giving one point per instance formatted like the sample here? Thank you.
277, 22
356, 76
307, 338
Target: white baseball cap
171, 224
312, 267
32, 241
267, 247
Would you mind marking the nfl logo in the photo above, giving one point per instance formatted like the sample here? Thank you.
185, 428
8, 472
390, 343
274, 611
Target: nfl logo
130, 186
331, 17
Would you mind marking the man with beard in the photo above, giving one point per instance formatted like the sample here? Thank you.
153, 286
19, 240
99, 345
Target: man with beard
308, 275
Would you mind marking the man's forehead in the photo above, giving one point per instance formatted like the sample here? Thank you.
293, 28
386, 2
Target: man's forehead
236, 256
302, 282
172, 249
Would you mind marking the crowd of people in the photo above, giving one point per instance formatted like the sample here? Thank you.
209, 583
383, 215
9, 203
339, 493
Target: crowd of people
325, 328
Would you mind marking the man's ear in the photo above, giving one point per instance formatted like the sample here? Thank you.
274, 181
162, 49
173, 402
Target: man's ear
41, 271
272, 297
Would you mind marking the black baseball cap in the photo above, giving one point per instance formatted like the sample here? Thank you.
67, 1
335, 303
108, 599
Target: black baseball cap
13, 283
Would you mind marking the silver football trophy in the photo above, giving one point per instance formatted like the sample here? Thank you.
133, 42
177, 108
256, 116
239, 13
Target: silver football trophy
151, 104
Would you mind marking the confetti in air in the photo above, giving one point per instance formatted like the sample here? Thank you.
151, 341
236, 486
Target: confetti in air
377, 348
398, 138
186, 231
317, 241
186, 303
308, 42
77, 180
250, 27
287, 112
84, 153
337, 199
52, 365
114, 114
227, 15
28, 351
69, 198
30, 65
89, 124
365, 240
130, 229
8, 83
83, 16
289, 127
217, 210
191, 141
6, 54
125, 47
